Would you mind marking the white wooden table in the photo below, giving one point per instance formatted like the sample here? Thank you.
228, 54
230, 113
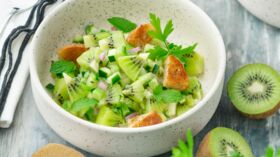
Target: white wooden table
247, 39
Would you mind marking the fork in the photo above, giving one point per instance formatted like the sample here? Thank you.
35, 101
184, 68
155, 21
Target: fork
15, 11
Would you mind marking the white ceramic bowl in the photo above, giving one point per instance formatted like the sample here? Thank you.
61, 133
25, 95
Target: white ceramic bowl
191, 25
266, 10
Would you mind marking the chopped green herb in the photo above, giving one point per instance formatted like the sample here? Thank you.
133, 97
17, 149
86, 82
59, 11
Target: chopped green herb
180, 52
158, 33
50, 87
157, 53
122, 24
62, 66
168, 95
121, 109
170, 49
81, 106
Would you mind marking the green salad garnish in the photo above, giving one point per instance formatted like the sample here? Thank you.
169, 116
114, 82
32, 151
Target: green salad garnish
123, 77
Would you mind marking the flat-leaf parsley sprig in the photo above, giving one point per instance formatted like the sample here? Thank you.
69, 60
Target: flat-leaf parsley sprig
162, 35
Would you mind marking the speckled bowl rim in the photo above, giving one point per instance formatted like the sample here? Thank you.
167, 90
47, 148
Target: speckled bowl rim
35, 81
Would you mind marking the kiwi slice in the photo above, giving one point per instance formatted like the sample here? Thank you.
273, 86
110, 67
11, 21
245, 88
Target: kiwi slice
222, 142
255, 90
131, 66
114, 94
135, 91
60, 91
76, 89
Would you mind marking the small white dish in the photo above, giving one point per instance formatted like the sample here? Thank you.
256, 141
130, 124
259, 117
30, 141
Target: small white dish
191, 25
266, 10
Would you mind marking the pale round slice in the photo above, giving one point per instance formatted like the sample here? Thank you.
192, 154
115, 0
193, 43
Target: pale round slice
57, 150
223, 142
254, 90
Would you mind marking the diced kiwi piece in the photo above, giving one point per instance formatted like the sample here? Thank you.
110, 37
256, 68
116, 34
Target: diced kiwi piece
89, 41
156, 106
194, 88
60, 91
144, 79
195, 64
78, 39
221, 142
131, 66
106, 43
118, 39
131, 104
97, 94
188, 104
153, 83
88, 61
135, 91
125, 80
108, 117
114, 67
114, 78
254, 90
76, 89
92, 80
114, 94
102, 35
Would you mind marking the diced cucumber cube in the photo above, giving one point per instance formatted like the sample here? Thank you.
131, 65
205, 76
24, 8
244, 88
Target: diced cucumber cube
89, 41
104, 72
112, 55
116, 77
171, 112
155, 69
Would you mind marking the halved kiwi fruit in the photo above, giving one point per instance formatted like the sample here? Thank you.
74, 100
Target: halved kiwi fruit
222, 142
255, 90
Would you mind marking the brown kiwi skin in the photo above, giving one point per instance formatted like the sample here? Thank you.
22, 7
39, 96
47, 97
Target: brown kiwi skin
261, 115
203, 150
57, 150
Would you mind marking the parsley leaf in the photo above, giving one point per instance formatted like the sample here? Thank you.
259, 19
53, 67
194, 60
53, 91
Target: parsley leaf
158, 33
82, 106
157, 53
122, 24
184, 149
167, 96
62, 66
180, 52
170, 49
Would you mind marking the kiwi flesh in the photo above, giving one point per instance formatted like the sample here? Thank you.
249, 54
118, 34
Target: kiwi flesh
222, 142
131, 66
255, 90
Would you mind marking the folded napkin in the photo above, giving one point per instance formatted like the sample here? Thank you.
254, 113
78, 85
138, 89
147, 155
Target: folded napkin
11, 90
